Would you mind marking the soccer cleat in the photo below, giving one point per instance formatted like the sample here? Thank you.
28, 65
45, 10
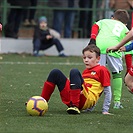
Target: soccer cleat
73, 110
117, 105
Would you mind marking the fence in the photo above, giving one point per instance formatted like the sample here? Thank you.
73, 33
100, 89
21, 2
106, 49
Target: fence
99, 10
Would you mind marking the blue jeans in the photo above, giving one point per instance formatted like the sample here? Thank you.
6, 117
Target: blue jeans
38, 45
67, 17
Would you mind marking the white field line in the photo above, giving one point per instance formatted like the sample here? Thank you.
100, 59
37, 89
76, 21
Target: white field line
40, 63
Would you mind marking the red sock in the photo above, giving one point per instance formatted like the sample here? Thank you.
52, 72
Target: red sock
75, 97
128, 60
48, 89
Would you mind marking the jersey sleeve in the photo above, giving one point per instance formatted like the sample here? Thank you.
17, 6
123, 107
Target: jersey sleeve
107, 99
104, 76
94, 31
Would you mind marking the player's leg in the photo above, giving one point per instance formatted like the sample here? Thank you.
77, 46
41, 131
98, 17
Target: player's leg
128, 60
129, 80
117, 89
115, 66
56, 77
76, 82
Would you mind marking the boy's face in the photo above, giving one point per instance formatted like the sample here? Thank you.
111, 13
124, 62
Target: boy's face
43, 25
90, 60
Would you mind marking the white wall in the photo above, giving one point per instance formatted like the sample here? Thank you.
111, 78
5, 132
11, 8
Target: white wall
22, 45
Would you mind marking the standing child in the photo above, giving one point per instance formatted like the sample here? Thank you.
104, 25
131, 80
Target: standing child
129, 75
43, 40
106, 33
81, 92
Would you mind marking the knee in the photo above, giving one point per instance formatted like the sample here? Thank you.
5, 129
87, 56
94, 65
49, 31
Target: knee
55, 71
54, 75
74, 72
36, 41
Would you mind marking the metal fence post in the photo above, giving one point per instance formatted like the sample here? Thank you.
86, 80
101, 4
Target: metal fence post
4, 7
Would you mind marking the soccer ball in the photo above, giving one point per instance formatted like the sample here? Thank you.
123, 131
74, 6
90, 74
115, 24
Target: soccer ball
37, 106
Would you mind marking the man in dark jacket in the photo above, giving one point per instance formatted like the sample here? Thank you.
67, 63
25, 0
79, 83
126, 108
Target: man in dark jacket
42, 39
11, 29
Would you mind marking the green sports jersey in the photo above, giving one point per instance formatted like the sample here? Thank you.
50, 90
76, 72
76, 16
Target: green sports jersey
110, 33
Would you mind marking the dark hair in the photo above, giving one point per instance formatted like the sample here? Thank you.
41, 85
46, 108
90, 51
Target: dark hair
121, 15
92, 48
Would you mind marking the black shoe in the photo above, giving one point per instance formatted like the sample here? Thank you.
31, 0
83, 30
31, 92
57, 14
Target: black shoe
62, 55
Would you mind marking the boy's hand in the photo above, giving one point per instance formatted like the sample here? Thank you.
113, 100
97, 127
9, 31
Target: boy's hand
123, 49
92, 41
107, 113
49, 37
0, 27
113, 49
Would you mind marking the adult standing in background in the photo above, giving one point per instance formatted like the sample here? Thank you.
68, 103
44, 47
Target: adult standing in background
62, 17
29, 14
11, 29
85, 17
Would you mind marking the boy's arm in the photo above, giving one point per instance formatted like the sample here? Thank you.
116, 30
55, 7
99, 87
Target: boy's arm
94, 33
107, 100
126, 48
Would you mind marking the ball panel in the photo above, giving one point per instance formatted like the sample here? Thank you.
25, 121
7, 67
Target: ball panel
37, 106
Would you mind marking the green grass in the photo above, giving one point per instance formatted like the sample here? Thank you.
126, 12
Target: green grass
22, 76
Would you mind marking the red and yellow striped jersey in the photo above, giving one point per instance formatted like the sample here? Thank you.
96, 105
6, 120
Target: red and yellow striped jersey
95, 79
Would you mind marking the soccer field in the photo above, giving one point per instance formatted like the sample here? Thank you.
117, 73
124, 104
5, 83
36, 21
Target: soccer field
22, 76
